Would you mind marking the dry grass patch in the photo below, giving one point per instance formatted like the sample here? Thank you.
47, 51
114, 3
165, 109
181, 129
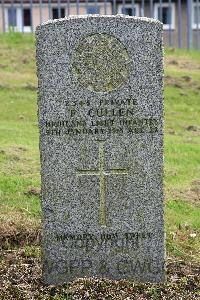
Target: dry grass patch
181, 62
16, 229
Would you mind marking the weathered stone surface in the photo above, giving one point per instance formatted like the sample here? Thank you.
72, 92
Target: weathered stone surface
101, 140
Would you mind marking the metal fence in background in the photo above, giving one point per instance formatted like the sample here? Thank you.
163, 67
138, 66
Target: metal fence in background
181, 18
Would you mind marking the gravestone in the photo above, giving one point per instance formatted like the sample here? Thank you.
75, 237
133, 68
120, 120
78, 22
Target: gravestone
100, 113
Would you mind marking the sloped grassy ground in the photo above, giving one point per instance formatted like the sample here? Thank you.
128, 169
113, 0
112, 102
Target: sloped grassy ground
20, 213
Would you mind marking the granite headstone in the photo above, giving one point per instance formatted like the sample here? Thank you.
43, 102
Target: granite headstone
100, 113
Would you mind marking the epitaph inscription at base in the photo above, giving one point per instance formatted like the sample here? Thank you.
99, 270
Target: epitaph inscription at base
100, 107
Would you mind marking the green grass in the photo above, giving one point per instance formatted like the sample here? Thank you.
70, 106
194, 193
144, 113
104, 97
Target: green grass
19, 155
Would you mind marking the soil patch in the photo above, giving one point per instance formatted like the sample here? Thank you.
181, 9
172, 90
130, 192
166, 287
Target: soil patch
21, 279
181, 82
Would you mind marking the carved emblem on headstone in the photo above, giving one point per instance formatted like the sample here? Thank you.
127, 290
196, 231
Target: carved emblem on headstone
100, 63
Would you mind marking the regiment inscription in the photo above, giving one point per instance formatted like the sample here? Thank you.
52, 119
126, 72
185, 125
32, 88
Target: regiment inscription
100, 108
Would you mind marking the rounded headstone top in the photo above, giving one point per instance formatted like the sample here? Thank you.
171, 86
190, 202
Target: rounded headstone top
102, 17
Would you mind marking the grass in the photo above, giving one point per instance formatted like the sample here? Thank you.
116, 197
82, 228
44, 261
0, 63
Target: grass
19, 155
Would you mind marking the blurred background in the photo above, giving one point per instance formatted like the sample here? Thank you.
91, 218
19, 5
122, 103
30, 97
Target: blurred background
181, 18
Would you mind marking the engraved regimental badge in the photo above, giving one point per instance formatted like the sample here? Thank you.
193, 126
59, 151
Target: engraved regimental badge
100, 63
